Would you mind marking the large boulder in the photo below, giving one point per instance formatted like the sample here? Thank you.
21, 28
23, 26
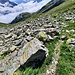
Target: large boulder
34, 49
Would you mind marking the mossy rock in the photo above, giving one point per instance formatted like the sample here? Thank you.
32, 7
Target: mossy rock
68, 41
42, 36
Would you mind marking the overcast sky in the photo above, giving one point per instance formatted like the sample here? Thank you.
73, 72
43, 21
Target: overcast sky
24, 7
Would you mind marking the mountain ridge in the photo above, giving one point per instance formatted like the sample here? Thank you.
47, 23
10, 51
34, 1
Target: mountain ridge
47, 7
25, 1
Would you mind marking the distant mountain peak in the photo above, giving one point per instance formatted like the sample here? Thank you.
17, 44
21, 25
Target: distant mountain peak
2, 2
25, 1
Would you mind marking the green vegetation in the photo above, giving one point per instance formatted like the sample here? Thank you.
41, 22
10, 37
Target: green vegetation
66, 63
4, 55
3, 25
27, 16
50, 5
69, 4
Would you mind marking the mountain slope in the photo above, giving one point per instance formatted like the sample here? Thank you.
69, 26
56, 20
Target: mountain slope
56, 29
50, 5
21, 17
59, 15
47, 7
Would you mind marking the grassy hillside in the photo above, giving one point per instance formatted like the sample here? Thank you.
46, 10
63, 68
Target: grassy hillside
50, 5
69, 4
3, 25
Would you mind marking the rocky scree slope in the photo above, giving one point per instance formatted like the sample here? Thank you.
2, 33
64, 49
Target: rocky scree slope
17, 43
18, 46
21, 39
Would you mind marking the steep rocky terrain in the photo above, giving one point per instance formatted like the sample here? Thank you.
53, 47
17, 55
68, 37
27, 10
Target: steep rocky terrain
5, 5
45, 43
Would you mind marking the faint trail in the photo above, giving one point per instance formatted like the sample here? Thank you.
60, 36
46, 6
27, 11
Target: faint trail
52, 68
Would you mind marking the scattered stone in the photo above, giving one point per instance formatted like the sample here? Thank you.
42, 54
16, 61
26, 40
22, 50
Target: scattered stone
63, 37
52, 71
1, 69
67, 31
8, 36
1, 43
24, 47
18, 42
14, 36
13, 48
68, 18
72, 30
70, 41
50, 38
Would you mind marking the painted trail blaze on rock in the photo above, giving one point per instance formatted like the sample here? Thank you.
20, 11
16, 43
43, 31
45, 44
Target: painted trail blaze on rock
31, 51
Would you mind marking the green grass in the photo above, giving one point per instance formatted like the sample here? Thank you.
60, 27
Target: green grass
3, 25
4, 55
66, 65
62, 7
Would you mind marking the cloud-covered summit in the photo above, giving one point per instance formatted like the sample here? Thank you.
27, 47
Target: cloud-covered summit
24, 1
20, 8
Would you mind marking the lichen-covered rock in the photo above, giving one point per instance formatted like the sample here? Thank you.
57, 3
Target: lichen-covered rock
70, 41
31, 48
42, 36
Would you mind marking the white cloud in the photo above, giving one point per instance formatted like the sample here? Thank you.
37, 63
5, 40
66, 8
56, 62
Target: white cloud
13, 0
23, 7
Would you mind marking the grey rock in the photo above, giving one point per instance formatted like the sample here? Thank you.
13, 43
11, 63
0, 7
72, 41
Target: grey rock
63, 37
1, 69
29, 38
1, 43
18, 42
33, 48
8, 36
14, 37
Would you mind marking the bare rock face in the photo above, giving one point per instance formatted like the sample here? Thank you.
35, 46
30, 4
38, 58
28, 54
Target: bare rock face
31, 51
